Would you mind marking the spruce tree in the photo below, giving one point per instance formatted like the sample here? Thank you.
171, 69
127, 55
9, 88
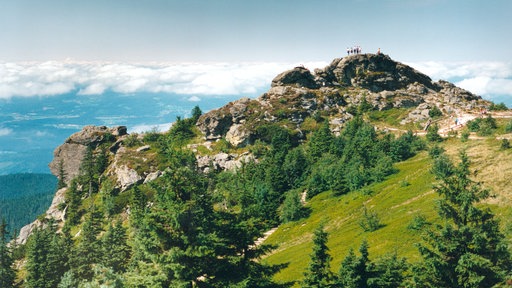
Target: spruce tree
87, 252
355, 271
319, 273
115, 250
467, 249
62, 175
7, 273
47, 259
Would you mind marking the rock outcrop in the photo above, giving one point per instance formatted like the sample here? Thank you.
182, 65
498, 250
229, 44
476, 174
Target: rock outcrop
71, 153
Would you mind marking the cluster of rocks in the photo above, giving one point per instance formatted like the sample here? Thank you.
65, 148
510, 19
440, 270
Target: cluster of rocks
223, 161
297, 94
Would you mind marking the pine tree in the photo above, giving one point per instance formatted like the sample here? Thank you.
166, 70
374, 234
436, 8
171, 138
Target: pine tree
47, 258
467, 250
87, 252
115, 250
196, 113
355, 271
321, 141
62, 175
319, 273
7, 273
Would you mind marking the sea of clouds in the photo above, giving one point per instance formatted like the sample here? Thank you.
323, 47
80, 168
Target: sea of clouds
195, 79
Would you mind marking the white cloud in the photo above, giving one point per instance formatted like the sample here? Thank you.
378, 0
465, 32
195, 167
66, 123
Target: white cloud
487, 79
145, 128
93, 78
5, 132
194, 99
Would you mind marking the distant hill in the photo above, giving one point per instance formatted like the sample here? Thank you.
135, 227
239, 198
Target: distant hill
25, 196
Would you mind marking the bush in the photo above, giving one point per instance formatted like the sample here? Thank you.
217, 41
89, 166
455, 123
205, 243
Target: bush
498, 107
508, 127
464, 135
370, 221
417, 223
432, 133
434, 112
505, 144
132, 140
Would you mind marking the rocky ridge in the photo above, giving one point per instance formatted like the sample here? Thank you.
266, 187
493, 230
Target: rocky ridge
297, 94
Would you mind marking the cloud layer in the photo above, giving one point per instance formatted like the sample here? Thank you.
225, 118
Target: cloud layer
94, 78
486, 79
195, 79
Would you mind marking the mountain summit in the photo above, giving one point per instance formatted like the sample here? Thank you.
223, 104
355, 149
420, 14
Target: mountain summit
335, 91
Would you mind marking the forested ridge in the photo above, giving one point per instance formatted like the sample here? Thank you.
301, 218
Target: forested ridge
197, 225
23, 197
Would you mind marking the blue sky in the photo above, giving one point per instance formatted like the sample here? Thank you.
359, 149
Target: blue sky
263, 30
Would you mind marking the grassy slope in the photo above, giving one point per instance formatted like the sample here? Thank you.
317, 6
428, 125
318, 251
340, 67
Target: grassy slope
395, 203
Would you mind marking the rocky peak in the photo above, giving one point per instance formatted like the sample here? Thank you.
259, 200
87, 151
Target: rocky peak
375, 72
297, 94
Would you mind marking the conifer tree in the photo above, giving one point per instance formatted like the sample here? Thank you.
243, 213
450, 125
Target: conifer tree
318, 273
467, 249
321, 141
115, 250
7, 273
46, 258
355, 271
87, 252
62, 175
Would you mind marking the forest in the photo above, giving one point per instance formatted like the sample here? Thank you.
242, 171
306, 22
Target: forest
191, 228
23, 197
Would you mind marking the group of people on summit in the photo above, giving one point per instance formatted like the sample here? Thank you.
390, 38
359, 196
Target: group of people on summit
354, 50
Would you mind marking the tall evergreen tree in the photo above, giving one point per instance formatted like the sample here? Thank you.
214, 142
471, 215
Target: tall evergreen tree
7, 273
46, 258
115, 250
321, 141
62, 175
467, 249
87, 252
355, 271
319, 273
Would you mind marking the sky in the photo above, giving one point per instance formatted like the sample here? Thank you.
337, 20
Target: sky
247, 30
51, 47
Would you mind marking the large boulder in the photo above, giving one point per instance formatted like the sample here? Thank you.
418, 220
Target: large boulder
298, 76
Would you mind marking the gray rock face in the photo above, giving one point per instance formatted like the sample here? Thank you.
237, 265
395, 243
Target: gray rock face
298, 76
373, 72
223, 161
71, 153
126, 177
215, 124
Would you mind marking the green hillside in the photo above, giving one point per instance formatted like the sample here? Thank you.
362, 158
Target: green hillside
397, 201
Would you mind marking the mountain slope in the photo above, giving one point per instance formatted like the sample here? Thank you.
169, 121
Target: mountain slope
196, 198
397, 201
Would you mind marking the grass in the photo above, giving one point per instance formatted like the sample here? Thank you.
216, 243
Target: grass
397, 205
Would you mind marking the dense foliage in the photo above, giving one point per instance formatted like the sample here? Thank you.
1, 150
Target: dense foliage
191, 228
